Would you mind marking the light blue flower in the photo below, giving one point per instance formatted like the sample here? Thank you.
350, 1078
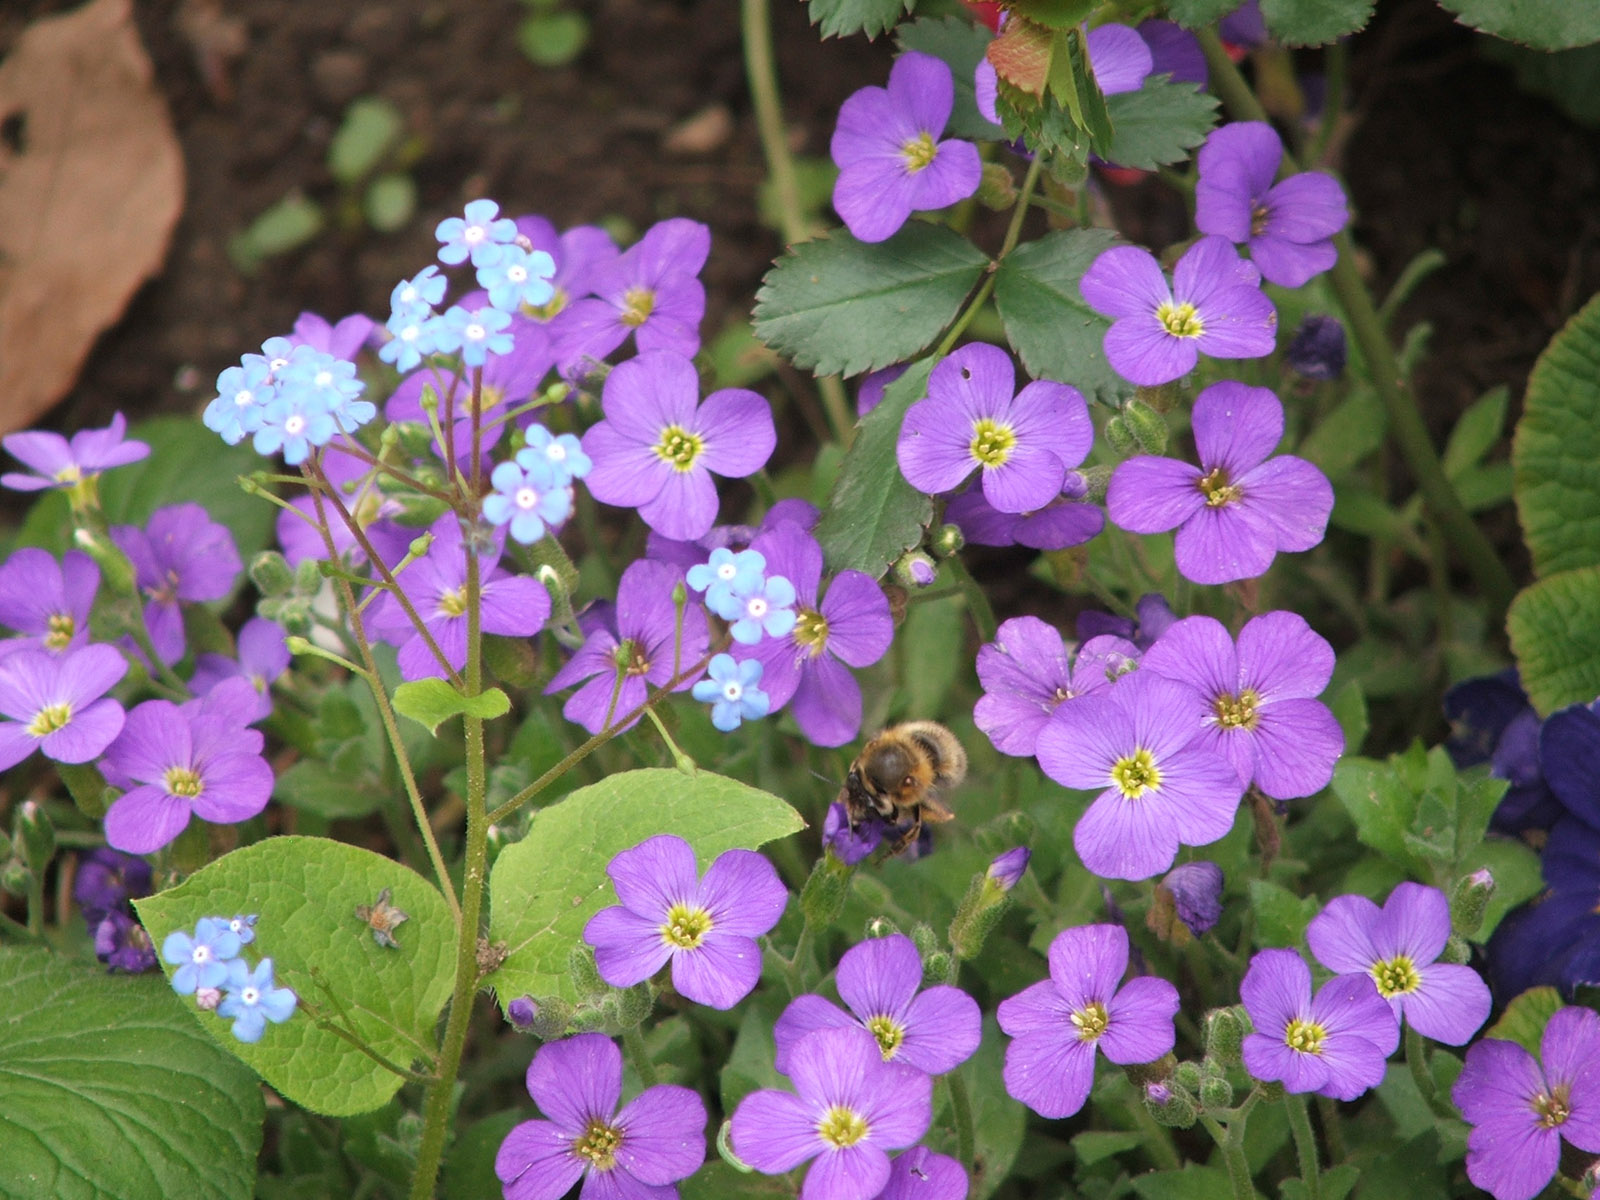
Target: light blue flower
419, 293
204, 958
732, 692
518, 277
253, 999
563, 452
767, 610
480, 236
322, 381
244, 925
294, 424
242, 393
726, 577
528, 496
474, 335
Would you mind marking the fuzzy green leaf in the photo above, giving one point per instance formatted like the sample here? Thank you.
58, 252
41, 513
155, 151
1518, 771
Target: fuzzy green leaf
546, 887
1158, 124
1313, 22
1055, 333
1542, 24
871, 17
1556, 447
839, 306
432, 702
1555, 638
873, 514
1281, 916
111, 1091
305, 892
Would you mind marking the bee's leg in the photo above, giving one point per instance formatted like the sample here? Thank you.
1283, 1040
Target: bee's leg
909, 836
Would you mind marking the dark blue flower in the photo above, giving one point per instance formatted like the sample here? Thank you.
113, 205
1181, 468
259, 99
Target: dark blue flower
1554, 939
1491, 721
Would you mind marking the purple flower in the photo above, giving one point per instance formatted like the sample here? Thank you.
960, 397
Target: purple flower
1214, 306
581, 255
1397, 946
183, 762
934, 1031
122, 943
1491, 721
849, 626
1569, 752
620, 661
1244, 27
636, 1153
436, 583
1166, 788
263, 656
253, 999
107, 879
652, 290
1007, 868
479, 236
1064, 522
522, 1012
1196, 891
705, 927
1027, 673
54, 704
850, 843
1239, 507
888, 150
1521, 1107
920, 1174
1317, 349
1022, 444
63, 464
344, 340
47, 601
1255, 703
1174, 51
180, 555
1289, 225
1334, 1045
658, 446
1057, 1024
1554, 939
851, 1108
1154, 616
205, 955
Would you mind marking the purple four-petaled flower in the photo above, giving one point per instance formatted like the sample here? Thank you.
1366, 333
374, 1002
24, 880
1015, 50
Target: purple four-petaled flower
46, 601
59, 463
56, 704
1027, 673
181, 555
651, 290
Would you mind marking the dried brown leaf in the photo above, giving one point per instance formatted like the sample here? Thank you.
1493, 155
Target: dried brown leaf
91, 184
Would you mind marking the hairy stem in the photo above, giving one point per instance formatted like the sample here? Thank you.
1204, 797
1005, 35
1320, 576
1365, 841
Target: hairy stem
1305, 1145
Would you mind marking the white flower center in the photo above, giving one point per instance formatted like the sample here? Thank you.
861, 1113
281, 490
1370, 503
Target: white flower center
527, 498
756, 607
732, 691
295, 425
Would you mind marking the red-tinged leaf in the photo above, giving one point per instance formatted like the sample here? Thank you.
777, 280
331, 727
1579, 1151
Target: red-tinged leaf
1021, 55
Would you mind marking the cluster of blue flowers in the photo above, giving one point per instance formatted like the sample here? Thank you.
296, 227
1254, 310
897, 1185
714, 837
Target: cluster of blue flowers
212, 970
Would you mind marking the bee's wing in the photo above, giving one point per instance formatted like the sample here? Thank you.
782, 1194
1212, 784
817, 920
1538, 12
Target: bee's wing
935, 809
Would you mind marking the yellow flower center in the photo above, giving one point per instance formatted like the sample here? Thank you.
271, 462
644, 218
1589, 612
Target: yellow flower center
1304, 1036
1218, 490
1091, 1021
598, 1144
811, 630
181, 781
453, 603
679, 448
1553, 1107
991, 442
61, 627
1180, 320
918, 152
50, 718
1237, 711
1396, 977
686, 926
637, 305
70, 473
1136, 774
842, 1127
889, 1034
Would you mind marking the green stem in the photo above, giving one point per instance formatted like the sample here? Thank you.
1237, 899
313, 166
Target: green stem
1305, 1144
961, 1110
761, 72
36, 903
679, 759
1332, 1128
1232, 1157
1158, 1143
12, 928
1417, 1064
1406, 427
1019, 213
639, 1053
977, 603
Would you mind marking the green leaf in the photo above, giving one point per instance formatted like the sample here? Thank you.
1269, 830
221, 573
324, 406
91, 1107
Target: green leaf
1476, 431
839, 306
1556, 446
1517, 877
390, 201
1555, 637
1047, 128
1343, 438
999, 1123
1191, 1183
873, 515
1334, 1184
718, 1181
432, 702
1158, 124
545, 888
1191, 14
1055, 14
961, 44
1313, 22
287, 225
1281, 916
111, 1091
838, 18
553, 39
317, 788
1525, 1017
1093, 1145
1542, 24
305, 891
1379, 803
1053, 331
370, 127
749, 1066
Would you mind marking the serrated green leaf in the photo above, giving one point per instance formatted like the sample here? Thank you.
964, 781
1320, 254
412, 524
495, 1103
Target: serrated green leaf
545, 888
873, 515
1313, 22
961, 44
1191, 14
839, 306
837, 18
1476, 431
1281, 916
1525, 1017
1556, 446
1055, 333
432, 702
1478, 793
1047, 129
1555, 637
1158, 124
1542, 24
370, 127
305, 891
110, 1090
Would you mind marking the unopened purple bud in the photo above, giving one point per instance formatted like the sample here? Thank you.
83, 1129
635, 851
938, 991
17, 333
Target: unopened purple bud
1007, 868
207, 999
1317, 349
522, 1011
1158, 1094
915, 570
1196, 889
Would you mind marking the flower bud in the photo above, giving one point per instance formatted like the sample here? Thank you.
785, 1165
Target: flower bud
823, 896
1468, 900
1225, 1030
270, 572
1163, 398
1215, 1092
849, 846
522, 1012
116, 572
634, 1004
1169, 1106
580, 965
881, 927
413, 438
308, 577
915, 569
1187, 1076
206, 999
1005, 872
14, 877
1120, 438
36, 836
1317, 349
1456, 950
997, 190
946, 540
1095, 481
1188, 902
1146, 425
